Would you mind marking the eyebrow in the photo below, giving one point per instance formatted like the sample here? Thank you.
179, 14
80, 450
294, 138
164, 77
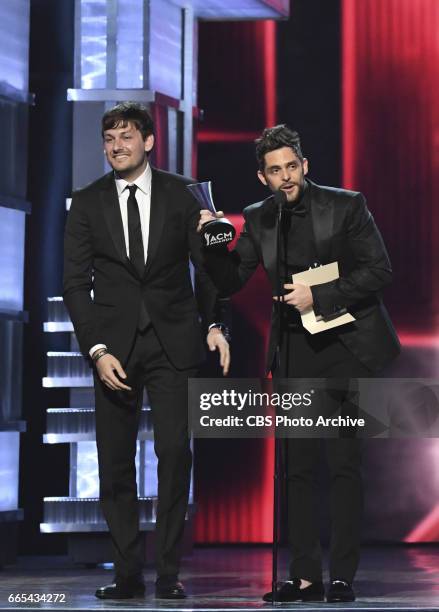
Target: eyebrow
106, 135
277, 167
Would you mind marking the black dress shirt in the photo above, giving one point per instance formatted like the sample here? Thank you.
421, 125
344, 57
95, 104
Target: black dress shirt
298, 251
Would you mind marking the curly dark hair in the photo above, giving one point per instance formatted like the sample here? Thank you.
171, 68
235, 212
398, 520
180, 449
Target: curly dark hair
275, 138
122, 113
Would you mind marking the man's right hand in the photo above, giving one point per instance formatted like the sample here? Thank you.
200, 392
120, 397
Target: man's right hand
206, 216
106, 367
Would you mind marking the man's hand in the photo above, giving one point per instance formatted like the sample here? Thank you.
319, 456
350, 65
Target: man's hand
216, 340
207, 215
300, 297
106, 367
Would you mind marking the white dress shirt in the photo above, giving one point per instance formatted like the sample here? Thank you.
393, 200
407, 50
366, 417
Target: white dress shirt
143, 197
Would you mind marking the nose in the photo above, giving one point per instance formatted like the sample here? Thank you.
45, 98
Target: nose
116, 144
285, 175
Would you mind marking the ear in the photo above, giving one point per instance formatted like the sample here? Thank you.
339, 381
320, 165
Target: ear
149, 143
305, 166
262, 178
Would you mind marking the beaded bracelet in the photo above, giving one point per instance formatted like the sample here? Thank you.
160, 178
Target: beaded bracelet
99, 353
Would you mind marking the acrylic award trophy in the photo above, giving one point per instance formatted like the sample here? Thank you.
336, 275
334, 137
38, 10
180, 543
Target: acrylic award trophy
215, 232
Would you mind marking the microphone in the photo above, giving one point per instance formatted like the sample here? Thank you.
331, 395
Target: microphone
280, 199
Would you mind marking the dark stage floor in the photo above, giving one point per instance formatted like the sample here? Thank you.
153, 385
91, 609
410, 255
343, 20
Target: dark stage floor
232, 579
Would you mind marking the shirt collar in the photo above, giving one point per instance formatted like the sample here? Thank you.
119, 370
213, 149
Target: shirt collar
143, 182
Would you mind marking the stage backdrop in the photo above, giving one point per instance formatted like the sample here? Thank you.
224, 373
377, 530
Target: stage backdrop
357, 81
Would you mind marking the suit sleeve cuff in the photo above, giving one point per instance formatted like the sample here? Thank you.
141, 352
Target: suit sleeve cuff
323, 304
223, 328
315, 302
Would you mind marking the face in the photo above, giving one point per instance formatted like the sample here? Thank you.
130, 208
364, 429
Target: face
126, 150
284, 171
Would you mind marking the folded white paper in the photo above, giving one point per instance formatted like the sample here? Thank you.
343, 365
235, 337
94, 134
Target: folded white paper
318, 276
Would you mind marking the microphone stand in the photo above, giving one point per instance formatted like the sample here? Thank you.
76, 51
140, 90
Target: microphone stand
280, 200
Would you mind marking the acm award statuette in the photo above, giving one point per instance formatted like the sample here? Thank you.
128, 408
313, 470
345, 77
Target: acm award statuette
217, 231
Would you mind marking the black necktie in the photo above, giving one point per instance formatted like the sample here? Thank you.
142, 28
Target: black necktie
136, 249
137, 256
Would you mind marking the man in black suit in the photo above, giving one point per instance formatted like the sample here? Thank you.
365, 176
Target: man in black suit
319, 225
129, 237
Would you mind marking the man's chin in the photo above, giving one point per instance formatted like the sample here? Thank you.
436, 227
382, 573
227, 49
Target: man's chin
295, 196
120, 167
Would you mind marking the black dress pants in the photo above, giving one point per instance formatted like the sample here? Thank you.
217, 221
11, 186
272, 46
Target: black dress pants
322, 356
117, 422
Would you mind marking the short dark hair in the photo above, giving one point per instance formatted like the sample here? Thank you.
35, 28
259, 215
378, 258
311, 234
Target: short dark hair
122, 113
275, 138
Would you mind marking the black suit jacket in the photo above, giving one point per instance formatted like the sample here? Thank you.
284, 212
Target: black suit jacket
95, 258
344, 231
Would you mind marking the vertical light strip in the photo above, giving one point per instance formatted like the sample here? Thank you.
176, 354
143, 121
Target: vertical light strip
187, 43
270, 71
348, 96
93, 32
129, 47
112, 36
264, 532
12, 224
9, 468
14, 44
77, 68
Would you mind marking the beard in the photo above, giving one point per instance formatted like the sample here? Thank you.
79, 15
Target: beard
296, 194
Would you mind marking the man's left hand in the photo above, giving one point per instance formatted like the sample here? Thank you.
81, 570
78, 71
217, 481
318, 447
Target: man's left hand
300, 296
216, 340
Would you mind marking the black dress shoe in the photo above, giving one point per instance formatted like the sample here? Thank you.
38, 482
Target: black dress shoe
169, 590
122, 588
291, 591
340, 590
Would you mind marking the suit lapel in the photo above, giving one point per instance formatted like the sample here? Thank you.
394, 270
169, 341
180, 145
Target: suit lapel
113, 218
157, 215
322, 213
